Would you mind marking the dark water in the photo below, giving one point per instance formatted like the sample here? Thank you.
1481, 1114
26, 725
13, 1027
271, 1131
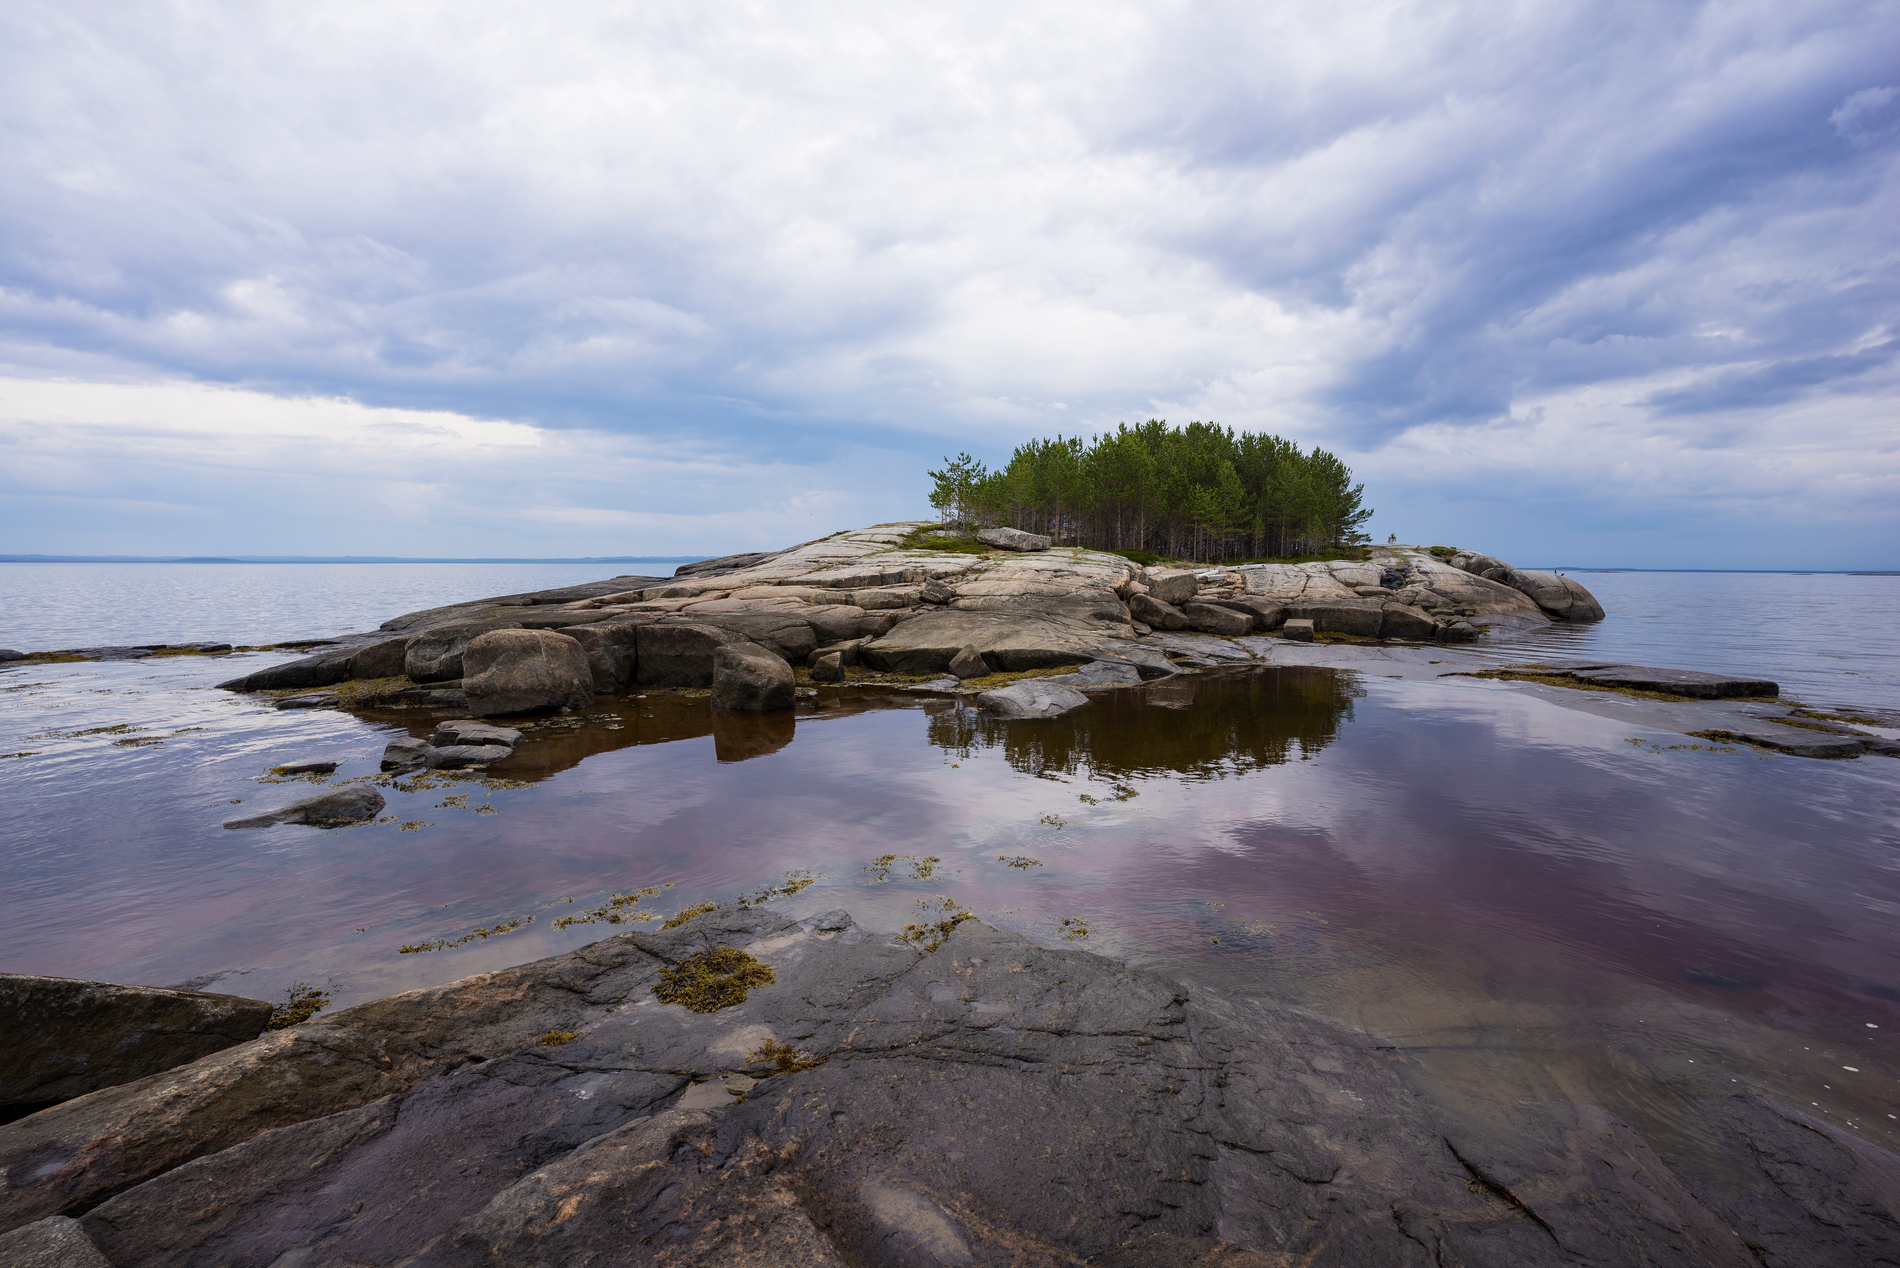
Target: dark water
1537, 901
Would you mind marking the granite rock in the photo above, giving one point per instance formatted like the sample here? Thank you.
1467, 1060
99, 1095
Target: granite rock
332, 808
524, 671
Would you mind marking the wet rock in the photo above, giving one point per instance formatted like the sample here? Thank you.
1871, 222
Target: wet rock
967, 663
751, 680
404, 753
1013, 539
67, 1037
525, 671
1099, 674
1400, 620
611, 650
331, 808
1173, 586
321, 670
1008, 641
7, 653
1679, 682
1299, 630
828, 667
1031, 699
435, 695
1148, 662
435, 655
385, 659
1155, 613
1458, 632
54, 1242
315, 766
464, 756
469, 731
314, 700
1209, 619
679, 655
1794, 741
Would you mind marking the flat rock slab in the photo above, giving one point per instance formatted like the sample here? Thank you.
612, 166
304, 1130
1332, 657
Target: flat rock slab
1013, 539
315, 766
469, 731
1797, 742
1678, 682
1033, 699
67, 1037
463, 756
990, 1103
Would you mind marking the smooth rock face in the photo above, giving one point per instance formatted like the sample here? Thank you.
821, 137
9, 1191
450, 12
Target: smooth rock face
1266, 614
463, 756
321, 670
611, 650
1009, 641
751, 680
1031, 699
1299, 629
1209, 619
679, 655
1180, 1129
1153, 612
1558, 595
435, 655
1349, 615
66, 1037
1013, 539
385, 659
1173, 585
469, 731
523, 671
403, 752
967, 663
828, 667
54, 1242
1399, 620
331, 808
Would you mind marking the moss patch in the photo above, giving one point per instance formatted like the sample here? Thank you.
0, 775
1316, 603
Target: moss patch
712, 980
555, 1038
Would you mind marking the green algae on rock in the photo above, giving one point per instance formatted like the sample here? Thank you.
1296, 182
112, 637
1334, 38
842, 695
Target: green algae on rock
714, 979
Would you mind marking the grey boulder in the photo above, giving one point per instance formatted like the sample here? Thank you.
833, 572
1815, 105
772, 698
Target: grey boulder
1032, 699
679, 655
387, 659
331, 808
828, 667
320, 670
751, 680
404, 752
435, 655
1209, 619
1013, 539
1401, 620
1173, 585
67, 1037
463, 756
1556, 594
469, 731
968, 663
525, 671
1299, 630
611, 650
1155, 612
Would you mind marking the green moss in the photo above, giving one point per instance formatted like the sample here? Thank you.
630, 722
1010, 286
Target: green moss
555, 1038
929, 538
1442, 552
687, 913
712, 980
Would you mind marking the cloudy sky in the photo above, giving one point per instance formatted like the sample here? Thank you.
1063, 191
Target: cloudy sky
1575, 283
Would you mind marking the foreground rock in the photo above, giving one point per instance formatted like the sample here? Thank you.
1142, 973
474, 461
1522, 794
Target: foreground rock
1032, 699
525, 671
67, 1037
751, 680
988, 1103
331, 808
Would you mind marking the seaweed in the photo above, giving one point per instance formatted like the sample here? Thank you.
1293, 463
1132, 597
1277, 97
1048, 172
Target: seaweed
1021, 862
618, 909
687, 913
928, 935
555, 1038
1074, 928
788, 1059
301, 1001
714, 979
482, 935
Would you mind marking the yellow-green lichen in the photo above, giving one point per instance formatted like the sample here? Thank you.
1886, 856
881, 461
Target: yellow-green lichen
555, 1038
714, 979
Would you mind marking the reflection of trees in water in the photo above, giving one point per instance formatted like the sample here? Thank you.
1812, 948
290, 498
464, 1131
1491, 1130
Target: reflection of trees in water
1206, 725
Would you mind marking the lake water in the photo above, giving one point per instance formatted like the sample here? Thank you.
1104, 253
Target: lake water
1523, 895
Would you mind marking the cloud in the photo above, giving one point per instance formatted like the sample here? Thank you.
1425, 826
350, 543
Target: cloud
796, 237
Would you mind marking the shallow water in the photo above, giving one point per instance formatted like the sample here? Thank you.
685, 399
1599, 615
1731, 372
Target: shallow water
1528, 897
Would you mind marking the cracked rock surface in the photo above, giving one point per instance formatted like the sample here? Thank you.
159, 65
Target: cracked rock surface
989, 1103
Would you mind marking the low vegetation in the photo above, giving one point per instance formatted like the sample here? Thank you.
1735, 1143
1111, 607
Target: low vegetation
714, 979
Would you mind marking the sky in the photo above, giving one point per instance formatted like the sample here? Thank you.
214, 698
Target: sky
1584, 284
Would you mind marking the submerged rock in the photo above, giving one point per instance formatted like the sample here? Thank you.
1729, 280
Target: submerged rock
1678, 682
67, 1037
331, 808
404, 752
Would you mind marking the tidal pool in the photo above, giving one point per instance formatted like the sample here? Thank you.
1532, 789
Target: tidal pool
1537, 903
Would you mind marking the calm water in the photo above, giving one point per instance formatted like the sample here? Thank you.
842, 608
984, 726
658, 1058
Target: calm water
48, 607
1525, 896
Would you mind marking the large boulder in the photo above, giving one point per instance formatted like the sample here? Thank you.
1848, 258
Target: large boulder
435, 655
782, 628
385, 659
1555, 593
840, 622
1266, 614
319, 670
67, 1037
332, 808
1173, 585
1209, 619
525, 671
1032, 699
1341, 616
611, 650
1155, 613
1401, 620
751, 680
679, 655
1013, 539
1009, 641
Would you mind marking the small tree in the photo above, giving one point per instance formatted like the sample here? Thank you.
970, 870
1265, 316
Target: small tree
955, 494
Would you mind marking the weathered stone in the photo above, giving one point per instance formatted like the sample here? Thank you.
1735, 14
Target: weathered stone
779, 628
385, 659
725, 564
435, 655
838, 623
1098, 674
313, 700
1342, 616
1008, 641
1266, 614
1797, 742
1558, 595
1013, 539
679, 655
1679, 682
751, 680
1458, 632
936, 592
1209, 619
828, 667
331, 808
1299, 629
67, 1037
54, 1242
312, 766
523, 671
967, 663
1173, 586
712, 1094
320, 670
1400, 620
1031, 698
611, 650
1151, 611
469, 731
435, 695
404, 752
463, 756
